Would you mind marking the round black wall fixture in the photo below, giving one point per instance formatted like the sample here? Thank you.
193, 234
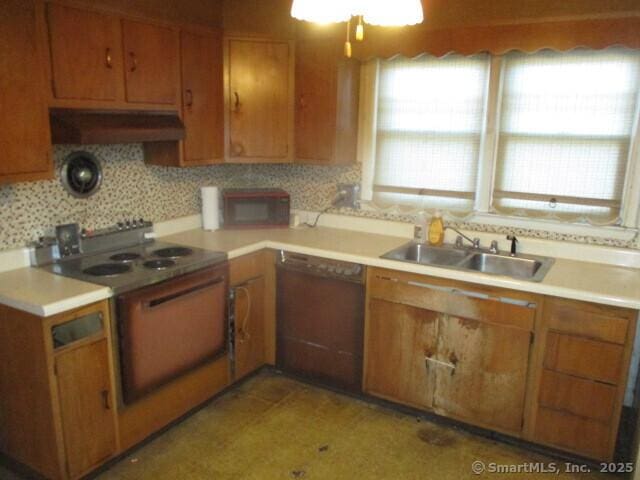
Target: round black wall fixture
81, 174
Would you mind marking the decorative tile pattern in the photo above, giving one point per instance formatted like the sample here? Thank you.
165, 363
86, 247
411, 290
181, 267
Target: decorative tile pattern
133, 189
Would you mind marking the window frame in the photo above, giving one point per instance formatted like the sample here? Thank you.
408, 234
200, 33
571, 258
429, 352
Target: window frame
487, 164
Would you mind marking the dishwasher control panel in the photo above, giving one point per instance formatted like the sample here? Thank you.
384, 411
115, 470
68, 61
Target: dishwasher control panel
324, 267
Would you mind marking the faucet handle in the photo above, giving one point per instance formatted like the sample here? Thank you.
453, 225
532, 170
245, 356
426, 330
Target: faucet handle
459, 241
476, 243
494, 246
513, 240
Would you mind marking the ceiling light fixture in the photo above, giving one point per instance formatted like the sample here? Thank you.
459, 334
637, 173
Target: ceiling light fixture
386, 13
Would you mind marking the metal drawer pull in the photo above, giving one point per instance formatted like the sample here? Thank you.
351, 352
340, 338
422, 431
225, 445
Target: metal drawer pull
519, 303
439, 362
430, 286
471, 294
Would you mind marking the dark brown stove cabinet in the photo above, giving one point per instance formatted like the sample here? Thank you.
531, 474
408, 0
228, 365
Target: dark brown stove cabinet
58, 404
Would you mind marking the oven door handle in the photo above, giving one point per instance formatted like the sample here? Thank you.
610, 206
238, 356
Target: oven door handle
157, 302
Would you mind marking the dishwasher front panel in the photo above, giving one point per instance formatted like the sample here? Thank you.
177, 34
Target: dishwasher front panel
320, 328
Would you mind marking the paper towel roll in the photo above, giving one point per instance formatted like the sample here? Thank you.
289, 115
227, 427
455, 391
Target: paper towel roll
210, 212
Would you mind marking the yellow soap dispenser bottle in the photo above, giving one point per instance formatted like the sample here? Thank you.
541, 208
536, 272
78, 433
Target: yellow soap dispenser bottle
436, 229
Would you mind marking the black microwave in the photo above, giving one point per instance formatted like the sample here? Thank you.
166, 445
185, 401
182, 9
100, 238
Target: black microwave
255, 208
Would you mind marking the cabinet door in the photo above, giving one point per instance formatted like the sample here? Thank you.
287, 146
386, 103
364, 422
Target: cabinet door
250, 339
327, 89
259, 101
24, 138
202, 98
86, 406
399, 339
151, 63
483, 371
86, 54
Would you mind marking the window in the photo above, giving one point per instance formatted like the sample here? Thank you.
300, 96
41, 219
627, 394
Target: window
561, 148
565, 132
429, 127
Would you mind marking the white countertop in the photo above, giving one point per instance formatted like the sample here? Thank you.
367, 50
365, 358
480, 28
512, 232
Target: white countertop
44, 294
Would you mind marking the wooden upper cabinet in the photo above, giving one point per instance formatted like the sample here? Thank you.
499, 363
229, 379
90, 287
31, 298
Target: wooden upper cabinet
326, 108
87, 406
86, 54
151, 57
202, 98
259, 101
24, 138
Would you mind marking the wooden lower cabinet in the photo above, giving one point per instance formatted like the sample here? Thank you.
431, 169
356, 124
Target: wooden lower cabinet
581, 376
252, 278
57, 408
487, 380
399, 339
86, 406
544, 369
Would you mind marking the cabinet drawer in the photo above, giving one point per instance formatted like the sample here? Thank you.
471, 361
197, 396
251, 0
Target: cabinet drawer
577, 396
458, 299
584, 357
581, 435
595, 321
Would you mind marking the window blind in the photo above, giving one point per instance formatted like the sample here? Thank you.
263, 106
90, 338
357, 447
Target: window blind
566, 121
430, 118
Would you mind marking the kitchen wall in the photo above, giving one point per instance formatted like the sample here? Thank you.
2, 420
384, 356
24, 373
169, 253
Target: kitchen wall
133, 189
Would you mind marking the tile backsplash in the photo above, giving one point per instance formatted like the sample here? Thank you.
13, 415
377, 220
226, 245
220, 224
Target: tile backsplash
131, 188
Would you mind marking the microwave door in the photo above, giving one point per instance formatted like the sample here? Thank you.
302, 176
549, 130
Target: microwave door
248, 212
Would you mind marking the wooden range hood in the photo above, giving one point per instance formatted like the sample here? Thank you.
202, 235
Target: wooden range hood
110, 127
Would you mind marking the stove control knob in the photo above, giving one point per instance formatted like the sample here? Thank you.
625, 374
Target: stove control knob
127, 224
120, 225
140, 222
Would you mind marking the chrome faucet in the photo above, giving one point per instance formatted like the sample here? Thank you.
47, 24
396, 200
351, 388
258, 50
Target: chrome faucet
475, 242
494, 247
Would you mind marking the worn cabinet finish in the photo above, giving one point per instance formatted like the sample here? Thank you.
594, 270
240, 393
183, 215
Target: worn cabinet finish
259, 94
86, 54
86, 406
581, 376
460, 350
151, 56
399, 339
202, 97
24, 139
326, 109
485, 376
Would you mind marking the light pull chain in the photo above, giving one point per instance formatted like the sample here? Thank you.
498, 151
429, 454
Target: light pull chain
360, 30
347, 44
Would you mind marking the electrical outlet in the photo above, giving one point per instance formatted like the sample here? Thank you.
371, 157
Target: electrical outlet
348, 195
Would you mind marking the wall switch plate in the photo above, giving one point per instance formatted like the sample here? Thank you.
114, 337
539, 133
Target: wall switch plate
348, 195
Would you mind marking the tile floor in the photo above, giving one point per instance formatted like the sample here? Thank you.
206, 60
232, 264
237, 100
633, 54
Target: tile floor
272, 427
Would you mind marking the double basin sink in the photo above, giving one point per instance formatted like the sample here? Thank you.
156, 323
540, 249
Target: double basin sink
523, 267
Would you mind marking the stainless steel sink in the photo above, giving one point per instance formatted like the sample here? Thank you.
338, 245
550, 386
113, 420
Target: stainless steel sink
524, 267
518, 267
426, 254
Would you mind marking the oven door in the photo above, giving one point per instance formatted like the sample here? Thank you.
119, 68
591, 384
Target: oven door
167, 329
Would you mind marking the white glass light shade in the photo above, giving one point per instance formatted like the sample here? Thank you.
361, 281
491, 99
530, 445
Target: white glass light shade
321, 11
389, 13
